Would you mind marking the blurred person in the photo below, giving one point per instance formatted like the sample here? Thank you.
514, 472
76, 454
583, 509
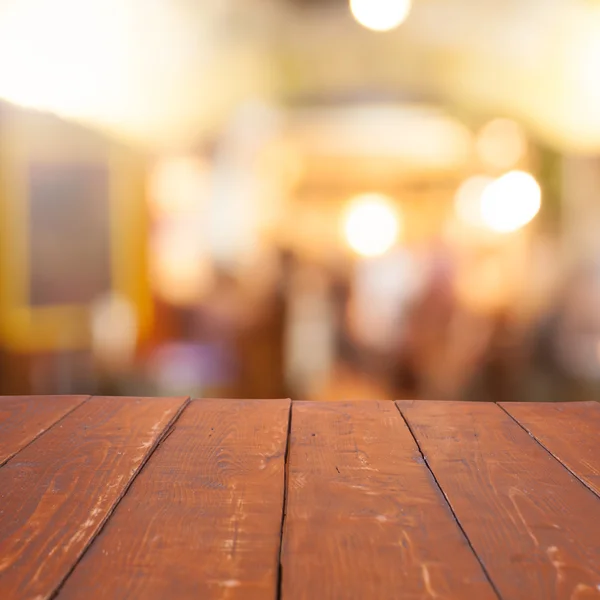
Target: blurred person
311, 327
421, 364
248, 332
566, 344
501, 362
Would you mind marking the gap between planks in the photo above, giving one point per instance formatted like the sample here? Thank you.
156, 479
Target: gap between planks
447, 501
163, 436
41, 433
554, 456
285, 499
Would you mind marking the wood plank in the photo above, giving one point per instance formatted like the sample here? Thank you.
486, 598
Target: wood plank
23, 418
56, 493
203, 519
364, 516
570, 431
535, 527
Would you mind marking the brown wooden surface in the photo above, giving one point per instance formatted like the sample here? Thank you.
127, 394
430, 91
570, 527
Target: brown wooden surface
158, 498
56, 493
571, 432
364, 517
535, 527
203, 519
23, 418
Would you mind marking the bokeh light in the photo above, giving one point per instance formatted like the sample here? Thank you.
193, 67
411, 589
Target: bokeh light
380, 15
178, 185
180, 269
75, 83
511, 201
372, 224
501, 144
114, 330
467, 202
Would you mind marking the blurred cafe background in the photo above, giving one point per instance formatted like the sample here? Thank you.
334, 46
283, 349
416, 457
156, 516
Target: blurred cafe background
319, 199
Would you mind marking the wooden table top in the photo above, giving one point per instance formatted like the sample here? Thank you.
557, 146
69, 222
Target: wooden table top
170, 498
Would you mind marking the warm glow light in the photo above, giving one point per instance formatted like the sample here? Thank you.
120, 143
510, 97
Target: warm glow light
178, 185
180, 271
114, 331
380, 15
93, 61
62, 56
467, 202
501, 144
372, 224
511, 201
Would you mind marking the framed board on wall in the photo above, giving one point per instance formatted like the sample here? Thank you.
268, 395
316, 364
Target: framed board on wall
72, 229
69, 233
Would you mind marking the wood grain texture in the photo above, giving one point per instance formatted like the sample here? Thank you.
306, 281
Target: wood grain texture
535, 527
23, 418
203, 518
56, 493
364, 516
569, 431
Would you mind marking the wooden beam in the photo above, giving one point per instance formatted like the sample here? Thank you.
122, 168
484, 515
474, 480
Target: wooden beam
365, 518
203, 519
57, 492
535, 527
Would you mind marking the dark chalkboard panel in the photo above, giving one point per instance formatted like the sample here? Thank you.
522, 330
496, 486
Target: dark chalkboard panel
69, 233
